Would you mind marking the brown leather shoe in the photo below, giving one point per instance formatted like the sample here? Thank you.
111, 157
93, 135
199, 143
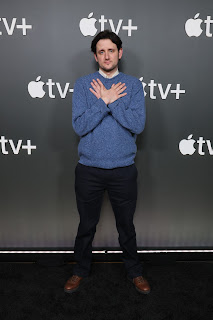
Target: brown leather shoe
141, 285
72, 284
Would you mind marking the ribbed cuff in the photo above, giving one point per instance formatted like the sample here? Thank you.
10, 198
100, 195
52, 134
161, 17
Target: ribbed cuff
103, 106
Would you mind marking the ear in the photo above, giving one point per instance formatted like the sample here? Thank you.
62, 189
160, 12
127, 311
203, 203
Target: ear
120, 53
95, 57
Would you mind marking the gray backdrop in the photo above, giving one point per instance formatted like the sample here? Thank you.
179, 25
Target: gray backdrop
37, 205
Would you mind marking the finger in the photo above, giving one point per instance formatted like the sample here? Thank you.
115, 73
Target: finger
122, 95
121, 86
96, 83
121, 89
112, 85
93, 85
117, 85
99, 82
96, 88
94, 92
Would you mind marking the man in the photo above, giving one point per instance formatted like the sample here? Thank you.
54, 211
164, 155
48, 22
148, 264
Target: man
108, 113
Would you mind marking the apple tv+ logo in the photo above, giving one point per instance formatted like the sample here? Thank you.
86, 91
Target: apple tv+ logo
157, 88
36, 90
8, 26
193, 26
151, 89
8, 146
88, 28
186, 146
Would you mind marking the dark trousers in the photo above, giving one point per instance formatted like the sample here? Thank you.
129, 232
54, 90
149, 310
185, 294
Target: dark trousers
90, 185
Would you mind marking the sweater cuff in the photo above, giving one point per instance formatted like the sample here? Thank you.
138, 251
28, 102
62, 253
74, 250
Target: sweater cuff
113, 105
103, 106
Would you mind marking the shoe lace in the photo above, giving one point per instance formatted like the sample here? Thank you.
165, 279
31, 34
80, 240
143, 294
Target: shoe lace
75, 278
140, 279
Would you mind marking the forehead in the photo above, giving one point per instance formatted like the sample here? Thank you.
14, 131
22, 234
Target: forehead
105, 44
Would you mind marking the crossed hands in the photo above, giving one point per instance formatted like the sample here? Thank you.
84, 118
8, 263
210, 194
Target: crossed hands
108, 96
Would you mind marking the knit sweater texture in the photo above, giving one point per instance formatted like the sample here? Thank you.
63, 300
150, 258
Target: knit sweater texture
108, 132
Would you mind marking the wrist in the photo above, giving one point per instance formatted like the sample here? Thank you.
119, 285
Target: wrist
105, 100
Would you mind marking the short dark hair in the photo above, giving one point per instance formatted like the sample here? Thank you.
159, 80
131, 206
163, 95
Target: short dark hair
106, 34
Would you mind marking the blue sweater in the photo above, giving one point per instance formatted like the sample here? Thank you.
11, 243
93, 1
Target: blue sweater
108, 132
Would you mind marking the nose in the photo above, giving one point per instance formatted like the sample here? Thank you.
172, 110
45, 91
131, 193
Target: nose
107, 56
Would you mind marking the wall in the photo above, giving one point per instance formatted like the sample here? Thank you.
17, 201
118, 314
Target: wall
37, 207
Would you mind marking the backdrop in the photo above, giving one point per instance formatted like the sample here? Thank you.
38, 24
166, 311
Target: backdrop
45, 47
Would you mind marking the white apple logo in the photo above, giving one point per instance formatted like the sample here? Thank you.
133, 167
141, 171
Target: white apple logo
192, 26
87, 26
35, 88
144, 84
186, 146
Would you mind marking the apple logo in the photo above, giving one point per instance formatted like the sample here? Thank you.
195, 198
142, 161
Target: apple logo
87, 26
186, 146
192, 26
35, 88
144, 84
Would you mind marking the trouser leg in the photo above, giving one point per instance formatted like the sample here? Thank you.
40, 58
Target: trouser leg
89, 195
122, 192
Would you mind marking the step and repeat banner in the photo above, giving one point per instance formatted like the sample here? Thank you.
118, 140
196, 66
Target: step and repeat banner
45, 47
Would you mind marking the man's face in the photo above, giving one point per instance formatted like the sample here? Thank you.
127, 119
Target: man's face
107, 55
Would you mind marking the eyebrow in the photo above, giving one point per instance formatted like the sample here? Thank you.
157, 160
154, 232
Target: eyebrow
107, 49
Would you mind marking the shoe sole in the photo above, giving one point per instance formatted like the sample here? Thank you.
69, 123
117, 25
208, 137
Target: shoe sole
71, 291
142, 292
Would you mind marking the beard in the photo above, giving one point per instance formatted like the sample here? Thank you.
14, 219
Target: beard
110, 68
